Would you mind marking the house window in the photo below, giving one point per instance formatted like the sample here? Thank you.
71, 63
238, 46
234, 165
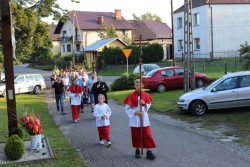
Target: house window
63, 48
197, 44
68, 48
78, 47
179, 22
64, 34
196, 20
180, 44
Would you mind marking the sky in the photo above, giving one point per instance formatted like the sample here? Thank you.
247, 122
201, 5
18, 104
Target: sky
161, 8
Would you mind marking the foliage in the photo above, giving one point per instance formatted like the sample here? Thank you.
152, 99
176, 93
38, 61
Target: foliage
14, 149
109, 31
1, 58
245, 52
32, 124
147, 17
151, 53
125, 82
32, 35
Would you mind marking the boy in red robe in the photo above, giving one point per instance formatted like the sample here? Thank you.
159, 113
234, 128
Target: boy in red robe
132, 109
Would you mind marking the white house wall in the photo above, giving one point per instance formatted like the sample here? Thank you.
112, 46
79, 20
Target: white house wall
231, 26
230, 29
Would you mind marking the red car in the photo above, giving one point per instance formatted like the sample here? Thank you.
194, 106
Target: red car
169, 78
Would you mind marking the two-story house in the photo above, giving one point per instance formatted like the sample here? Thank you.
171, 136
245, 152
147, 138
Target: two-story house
219, 27
82, 29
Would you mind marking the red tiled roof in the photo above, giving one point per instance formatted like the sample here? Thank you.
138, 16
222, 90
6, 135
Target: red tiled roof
54, 37
150, 29
196, 3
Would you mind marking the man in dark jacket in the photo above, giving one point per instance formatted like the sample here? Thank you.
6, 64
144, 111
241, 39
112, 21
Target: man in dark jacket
58, 94
100, 87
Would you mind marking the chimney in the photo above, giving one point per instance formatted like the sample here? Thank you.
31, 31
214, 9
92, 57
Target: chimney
118, 14
101, 20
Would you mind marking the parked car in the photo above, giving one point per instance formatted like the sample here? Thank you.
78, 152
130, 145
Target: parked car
168, 78
231, 90
25, 83
146, 68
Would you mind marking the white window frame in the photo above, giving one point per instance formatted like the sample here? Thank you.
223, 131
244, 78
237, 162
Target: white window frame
179, 22
196, 19
197, 43
180, 44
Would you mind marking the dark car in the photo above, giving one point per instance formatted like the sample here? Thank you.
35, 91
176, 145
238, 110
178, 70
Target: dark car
146, 68
169, 78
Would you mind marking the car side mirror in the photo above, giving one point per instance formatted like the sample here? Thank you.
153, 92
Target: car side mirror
214, 90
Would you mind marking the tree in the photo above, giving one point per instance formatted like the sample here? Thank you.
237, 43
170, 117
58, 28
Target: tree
147, 17
245, 53
110, 32
31, 33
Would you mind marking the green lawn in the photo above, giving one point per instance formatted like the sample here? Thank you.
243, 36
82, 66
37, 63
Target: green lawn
63, 151
166, 103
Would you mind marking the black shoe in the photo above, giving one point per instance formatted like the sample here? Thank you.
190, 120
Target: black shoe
137, 153
63, 113
150, 155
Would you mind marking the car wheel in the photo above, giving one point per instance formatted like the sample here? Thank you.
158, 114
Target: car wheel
37, 90
4, 93
198, 108
199, 83
161, 88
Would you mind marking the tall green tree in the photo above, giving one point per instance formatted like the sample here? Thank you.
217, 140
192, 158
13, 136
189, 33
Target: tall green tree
147, 17
245, 53
31, 33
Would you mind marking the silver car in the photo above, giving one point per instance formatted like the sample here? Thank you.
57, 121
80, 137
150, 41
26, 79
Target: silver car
230, 91
146, 68
25, 83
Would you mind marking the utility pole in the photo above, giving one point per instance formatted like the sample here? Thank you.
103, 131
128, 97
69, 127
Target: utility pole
172, 21
188, 47
8, 44
73, 38
73, 33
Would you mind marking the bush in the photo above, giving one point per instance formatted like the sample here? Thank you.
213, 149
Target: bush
14, 149
125, 82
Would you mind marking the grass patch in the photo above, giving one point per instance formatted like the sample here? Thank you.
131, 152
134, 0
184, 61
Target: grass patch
166, 103
63, 151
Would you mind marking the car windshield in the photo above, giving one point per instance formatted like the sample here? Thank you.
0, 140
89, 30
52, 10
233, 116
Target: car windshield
151, 67
151, 73
213, 84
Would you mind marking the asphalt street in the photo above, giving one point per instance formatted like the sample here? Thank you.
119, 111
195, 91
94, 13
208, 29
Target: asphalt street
177, 145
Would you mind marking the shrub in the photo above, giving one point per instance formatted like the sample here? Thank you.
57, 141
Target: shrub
14, 149
125, 82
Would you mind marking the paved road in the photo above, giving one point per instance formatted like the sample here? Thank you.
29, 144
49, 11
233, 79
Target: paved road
178, 144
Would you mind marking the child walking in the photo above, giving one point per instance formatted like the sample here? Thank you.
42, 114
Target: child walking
102, 113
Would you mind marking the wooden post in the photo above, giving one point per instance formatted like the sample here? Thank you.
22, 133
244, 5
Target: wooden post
141, 120
8, 65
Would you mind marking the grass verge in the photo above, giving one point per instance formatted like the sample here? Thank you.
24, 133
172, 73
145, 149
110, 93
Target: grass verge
237, 120
63, 151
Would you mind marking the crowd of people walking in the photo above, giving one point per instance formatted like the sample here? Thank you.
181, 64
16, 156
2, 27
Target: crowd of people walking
76, 86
